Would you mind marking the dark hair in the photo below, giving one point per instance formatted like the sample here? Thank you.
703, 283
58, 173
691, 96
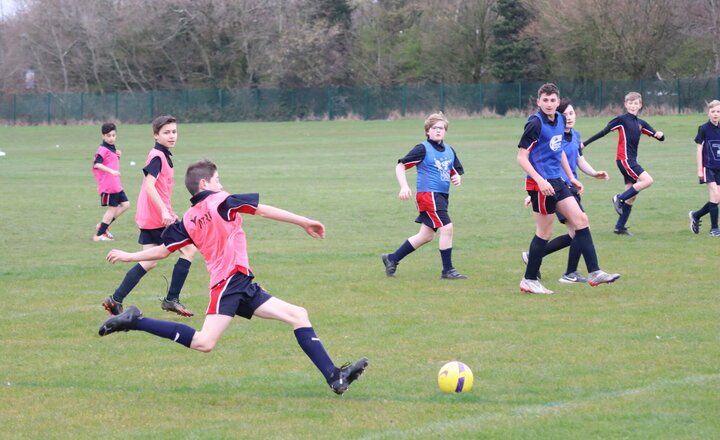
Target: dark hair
162, 121
107, 127
548, 89
196, 171
564, 103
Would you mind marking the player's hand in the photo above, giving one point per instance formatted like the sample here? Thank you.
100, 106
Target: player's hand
577, 185
115, 172
117, 255
527, 202
701, 175
546, 188
659, 134
118, 152
167, 219
456, 179
315, 229
602, 175
405, 193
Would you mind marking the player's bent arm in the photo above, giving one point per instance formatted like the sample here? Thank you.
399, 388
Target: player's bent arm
586, 168
314, 228
524, 162
106, 168
153, 253
152, 192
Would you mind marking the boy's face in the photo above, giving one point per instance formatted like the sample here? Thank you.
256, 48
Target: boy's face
633, 106
213, 184
109, 137
548, 103
437, 131
569, 114
714, 114
167, 136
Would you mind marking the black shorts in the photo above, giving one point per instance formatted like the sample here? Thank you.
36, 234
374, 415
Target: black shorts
237, 295
545, 205
561, 218
710, 175
151, 236
433, 207
113, 199
630, 170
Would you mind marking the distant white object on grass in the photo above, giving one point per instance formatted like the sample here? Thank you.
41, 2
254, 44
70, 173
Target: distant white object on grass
132, 163
57, 146
2, 153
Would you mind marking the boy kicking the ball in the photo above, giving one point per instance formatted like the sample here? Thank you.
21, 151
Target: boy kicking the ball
214, 225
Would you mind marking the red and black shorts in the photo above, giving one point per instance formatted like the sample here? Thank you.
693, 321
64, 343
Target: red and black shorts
433, 207
545, 205
630, 170
237, 295
113, 199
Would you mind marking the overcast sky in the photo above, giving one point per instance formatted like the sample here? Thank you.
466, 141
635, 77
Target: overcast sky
7, 7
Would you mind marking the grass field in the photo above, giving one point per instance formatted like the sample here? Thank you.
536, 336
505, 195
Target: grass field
637, 359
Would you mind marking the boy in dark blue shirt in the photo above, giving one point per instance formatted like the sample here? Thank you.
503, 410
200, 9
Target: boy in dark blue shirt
437, 167
708, 162
629, 128
541, 156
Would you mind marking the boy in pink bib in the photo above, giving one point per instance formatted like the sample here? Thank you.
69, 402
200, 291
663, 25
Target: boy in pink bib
214, 225
154, 214
106, 169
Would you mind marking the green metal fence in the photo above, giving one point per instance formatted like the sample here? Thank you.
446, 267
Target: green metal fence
673, 96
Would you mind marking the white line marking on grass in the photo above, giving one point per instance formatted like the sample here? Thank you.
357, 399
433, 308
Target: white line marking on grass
460, 425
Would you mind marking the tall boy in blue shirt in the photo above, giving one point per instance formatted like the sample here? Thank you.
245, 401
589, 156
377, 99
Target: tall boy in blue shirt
541, 156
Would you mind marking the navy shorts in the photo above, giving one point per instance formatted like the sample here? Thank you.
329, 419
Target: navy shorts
151, 236
113, 199
545, 205
561, 218
710, 175
237, 295
433, 207
630, 170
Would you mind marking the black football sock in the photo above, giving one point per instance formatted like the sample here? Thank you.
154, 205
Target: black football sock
132, 277
587, 247
180, 273
558, 243
315, 350
535, 256
180, 333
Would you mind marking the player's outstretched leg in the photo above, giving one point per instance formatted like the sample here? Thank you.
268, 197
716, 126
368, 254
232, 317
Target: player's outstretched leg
341, 379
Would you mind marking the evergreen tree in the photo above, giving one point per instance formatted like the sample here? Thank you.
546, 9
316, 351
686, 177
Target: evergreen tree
515, 57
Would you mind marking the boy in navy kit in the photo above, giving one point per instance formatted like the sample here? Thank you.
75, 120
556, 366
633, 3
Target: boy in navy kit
437, 167
106, 170
214, 225
541, 156
629, 128
573, 151
154, 214
708, 162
